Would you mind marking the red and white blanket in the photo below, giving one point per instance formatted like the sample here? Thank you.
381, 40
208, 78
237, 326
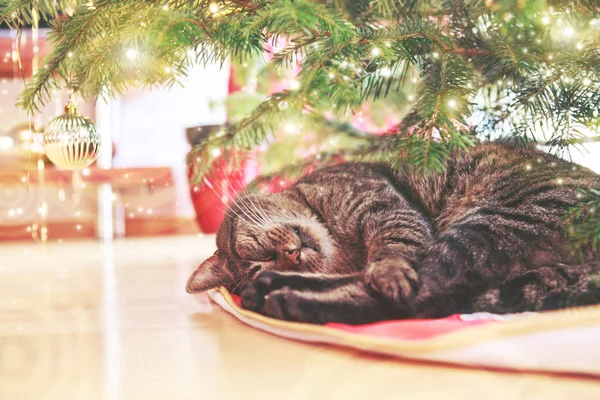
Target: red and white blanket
565, 341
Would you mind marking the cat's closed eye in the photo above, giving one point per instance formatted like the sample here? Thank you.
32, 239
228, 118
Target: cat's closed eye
269, 257
255, 269
272, 257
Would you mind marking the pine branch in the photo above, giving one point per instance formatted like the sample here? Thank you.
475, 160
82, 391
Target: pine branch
246, 134
17, 13
167, 37
351, 52
558, 106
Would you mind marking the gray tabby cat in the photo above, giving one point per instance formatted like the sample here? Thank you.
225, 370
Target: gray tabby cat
359, 243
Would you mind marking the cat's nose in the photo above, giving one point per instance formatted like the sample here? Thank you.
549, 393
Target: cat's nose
293, 256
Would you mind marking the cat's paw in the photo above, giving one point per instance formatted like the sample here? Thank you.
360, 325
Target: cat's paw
253, 292
270, 294
283, 304
292, 305
395, 280
252, 296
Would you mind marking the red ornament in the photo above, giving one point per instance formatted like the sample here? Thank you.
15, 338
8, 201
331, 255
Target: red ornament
212, 197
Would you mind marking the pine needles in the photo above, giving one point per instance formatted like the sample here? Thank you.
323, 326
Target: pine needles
526, 68
442, 53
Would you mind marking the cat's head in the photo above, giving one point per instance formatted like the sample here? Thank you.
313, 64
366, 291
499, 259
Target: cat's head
263, 232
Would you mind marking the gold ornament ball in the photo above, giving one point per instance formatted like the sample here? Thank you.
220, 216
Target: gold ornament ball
71, 140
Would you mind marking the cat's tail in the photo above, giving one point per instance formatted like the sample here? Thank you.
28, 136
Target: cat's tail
546, 288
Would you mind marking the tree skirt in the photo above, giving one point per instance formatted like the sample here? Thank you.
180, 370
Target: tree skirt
565, 341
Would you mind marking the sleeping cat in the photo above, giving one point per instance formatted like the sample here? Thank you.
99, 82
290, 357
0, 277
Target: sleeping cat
359, 242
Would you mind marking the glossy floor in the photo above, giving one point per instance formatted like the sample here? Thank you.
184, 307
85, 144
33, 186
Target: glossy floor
86, 320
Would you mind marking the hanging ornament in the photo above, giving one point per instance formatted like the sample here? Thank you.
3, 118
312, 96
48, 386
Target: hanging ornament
71, 140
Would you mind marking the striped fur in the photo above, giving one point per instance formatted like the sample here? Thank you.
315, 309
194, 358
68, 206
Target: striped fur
358, 242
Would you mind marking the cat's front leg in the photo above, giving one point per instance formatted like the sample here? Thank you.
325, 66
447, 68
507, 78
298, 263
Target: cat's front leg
254, 292
393, 278
396, 238
317, 299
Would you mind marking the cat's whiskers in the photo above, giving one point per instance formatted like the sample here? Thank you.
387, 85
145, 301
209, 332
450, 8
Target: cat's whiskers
260, 219
261, 211
241, 201
257, 217
230, 208
244, 199
247, 200
238, 285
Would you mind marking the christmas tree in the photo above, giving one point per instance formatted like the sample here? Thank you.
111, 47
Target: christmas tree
451, 72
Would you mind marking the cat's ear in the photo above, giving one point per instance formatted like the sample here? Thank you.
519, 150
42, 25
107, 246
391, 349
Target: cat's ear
210, 274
